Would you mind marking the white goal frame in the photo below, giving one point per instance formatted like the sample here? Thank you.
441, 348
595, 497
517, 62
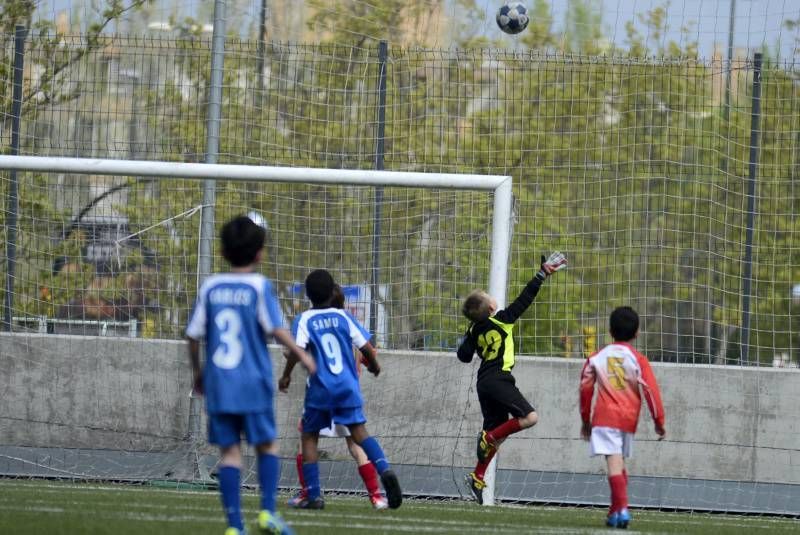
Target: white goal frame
500, 185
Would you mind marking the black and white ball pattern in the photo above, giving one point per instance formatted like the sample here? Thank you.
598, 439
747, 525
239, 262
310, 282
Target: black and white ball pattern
513, 17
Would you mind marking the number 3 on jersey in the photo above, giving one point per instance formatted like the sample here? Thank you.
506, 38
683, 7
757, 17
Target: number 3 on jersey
333, 353
229, 353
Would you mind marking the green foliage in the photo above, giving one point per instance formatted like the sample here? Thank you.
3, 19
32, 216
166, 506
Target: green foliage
626, 165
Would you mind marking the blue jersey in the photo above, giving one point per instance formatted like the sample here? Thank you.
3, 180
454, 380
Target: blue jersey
235, 313
329, 335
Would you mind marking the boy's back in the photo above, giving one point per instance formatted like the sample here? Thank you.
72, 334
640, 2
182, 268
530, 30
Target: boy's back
619, 371
235, 312
329, 334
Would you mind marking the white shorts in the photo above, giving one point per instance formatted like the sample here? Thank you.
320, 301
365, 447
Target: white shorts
610, 441
335, 431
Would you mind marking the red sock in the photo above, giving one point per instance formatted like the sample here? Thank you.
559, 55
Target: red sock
370, 477
619, 493
480, 468
503, 430
299, 461
625, 475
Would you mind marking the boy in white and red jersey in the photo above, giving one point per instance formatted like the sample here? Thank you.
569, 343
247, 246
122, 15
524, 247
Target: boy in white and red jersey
622, 375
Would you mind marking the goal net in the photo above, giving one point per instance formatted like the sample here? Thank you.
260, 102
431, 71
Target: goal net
637, 170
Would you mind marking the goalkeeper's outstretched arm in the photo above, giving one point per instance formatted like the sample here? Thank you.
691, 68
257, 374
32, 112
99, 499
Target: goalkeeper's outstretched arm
553, 263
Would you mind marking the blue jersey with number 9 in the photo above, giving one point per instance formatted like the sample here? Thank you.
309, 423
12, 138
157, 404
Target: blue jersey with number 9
330, 334
235, 313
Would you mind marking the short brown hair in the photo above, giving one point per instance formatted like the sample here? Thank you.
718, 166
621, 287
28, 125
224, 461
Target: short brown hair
476, 306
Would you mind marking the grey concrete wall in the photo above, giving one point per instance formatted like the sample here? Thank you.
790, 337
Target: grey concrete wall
88, 392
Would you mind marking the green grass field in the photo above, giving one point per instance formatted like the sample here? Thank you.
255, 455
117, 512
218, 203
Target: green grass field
47, 507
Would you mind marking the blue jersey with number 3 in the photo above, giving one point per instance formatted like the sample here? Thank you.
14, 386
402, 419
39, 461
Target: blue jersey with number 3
235, 313
329, 334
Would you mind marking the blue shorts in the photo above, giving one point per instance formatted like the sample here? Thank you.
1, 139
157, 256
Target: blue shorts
226, 429
314, 420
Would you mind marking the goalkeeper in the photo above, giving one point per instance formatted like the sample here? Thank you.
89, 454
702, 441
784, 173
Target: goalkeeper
490, 335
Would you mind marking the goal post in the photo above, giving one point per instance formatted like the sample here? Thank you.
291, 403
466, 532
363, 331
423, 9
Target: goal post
499, 186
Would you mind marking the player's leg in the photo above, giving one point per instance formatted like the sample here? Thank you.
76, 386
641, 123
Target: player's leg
354, 419
494, 414
259, 428
504, 393
368, 474
619, 492
301, 494
627, 450
313, 421
608, 442
224, 430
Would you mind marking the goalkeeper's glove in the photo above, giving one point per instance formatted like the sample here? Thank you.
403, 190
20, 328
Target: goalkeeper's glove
553, 263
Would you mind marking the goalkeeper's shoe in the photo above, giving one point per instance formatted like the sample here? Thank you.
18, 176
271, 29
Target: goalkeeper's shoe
485, 447
394, 494
272, 524
308, 503
475, 486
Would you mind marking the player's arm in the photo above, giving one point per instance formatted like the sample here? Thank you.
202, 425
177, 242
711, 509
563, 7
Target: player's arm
370, 356
196, 331
286, 377
197, 370
586, 389
652, 395
553, 263
284, 337
466, 350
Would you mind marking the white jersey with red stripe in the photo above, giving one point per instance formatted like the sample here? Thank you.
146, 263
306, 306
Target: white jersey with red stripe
623, 376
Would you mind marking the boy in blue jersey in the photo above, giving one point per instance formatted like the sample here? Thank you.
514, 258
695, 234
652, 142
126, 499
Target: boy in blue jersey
334, 394
235, 314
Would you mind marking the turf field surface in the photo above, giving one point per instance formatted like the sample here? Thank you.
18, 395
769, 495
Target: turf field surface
51, 507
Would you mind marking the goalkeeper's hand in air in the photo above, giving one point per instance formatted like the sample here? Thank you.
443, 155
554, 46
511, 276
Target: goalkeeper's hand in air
553, 263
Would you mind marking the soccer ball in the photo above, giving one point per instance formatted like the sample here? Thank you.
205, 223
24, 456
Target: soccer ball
513, 17
258, 219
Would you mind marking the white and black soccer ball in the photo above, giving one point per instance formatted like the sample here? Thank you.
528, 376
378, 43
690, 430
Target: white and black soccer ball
258, 219
513, 17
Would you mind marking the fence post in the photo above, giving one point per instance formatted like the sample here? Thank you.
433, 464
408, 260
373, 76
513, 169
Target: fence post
383, 52
20, 33
755, 119
204, 263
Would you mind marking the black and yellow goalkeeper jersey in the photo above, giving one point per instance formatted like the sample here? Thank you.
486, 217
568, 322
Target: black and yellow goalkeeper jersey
493, 339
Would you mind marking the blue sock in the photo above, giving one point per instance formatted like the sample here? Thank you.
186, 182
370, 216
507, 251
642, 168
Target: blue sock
375, 454
311, 475
269, 472
229, 490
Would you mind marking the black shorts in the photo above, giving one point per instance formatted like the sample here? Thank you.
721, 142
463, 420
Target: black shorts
499, 397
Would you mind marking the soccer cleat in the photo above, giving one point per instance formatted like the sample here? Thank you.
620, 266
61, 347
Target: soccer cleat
623, 519
296, 499
273, 524
307, 503
391, 485
485, 448
475, 486
378, 501
234, 531
612, 520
